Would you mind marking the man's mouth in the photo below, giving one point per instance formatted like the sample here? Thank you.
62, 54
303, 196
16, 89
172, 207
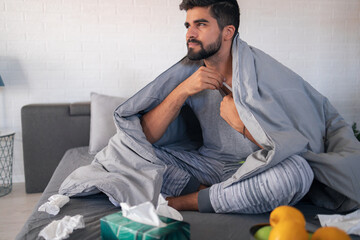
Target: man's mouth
193, 43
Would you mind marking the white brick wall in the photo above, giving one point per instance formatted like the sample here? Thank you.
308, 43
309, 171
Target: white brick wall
61, 50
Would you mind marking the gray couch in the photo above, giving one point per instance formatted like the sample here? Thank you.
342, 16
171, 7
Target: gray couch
55, 140
48, 130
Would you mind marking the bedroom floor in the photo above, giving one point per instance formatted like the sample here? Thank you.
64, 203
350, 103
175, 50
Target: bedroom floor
15, 208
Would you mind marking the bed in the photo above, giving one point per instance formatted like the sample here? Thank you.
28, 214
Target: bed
58, 138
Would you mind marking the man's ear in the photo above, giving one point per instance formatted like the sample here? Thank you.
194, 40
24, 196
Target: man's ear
228, 32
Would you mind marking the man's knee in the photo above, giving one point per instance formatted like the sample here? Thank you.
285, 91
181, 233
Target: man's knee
296, 179
286, 183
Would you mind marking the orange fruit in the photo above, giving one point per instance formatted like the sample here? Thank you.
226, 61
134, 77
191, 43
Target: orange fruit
286, 213
330, 233
288, 230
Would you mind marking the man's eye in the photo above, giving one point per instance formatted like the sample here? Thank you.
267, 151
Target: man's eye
201, 24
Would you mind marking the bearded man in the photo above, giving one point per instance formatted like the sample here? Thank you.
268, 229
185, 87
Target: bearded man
195, 179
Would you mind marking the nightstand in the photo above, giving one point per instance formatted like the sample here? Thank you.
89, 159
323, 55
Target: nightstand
6, 161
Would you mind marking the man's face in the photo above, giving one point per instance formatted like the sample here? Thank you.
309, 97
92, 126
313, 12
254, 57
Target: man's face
203, 36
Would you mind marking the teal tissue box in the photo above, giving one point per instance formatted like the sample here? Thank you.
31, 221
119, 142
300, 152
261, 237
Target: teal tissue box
115, 226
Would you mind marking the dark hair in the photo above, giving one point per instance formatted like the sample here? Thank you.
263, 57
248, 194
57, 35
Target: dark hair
226, 12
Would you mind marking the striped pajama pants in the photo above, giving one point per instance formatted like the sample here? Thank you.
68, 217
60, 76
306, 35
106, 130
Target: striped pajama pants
284, 184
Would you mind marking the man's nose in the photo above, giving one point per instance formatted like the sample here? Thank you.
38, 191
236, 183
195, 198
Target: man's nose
191, 33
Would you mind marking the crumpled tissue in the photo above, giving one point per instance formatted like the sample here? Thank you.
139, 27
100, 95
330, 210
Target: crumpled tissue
350, 223
54, 204
60, 229
145, 212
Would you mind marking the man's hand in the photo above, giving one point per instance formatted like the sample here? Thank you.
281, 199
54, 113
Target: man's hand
229, 113
203, 78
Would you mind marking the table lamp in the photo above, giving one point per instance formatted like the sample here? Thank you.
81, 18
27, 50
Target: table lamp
1, 82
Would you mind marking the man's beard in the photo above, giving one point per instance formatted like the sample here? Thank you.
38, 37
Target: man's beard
204, 53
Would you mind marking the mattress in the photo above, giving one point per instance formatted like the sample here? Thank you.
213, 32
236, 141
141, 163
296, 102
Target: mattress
202, 225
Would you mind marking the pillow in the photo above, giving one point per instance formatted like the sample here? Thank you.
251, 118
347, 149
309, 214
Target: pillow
102, 126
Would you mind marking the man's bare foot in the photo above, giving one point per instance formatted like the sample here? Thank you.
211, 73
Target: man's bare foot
187, 202
202, 187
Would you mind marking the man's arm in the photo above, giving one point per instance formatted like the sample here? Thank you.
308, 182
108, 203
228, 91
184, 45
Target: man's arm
156, 121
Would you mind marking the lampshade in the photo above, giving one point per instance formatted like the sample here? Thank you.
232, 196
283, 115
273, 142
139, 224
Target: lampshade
1, 82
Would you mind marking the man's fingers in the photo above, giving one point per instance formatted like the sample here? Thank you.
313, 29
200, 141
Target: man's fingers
209, 85
213, 82
204, 78
213, 74
214, 78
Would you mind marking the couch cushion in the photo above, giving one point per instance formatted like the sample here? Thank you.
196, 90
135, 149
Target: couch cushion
102, 126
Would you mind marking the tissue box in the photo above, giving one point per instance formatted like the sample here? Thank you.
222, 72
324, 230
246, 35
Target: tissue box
115, 226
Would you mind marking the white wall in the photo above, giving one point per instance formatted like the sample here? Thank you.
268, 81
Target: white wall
61, 50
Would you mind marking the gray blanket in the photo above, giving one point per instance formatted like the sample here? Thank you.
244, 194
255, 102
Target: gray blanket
282, 112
